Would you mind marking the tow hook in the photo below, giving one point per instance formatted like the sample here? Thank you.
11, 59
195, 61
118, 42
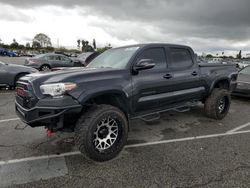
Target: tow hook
49, 133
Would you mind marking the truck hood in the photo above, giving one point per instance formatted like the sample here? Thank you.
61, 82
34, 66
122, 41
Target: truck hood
67, 75
83, 77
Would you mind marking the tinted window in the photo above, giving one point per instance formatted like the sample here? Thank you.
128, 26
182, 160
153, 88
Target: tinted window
156, 54
52, 58
64, 58
180, 58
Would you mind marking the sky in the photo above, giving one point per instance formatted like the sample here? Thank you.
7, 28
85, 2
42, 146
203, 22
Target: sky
206, 25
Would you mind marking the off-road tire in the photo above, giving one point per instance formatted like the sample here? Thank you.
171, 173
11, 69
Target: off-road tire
213, 101
86, 126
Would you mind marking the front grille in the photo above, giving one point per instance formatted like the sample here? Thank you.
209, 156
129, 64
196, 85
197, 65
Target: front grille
28, 99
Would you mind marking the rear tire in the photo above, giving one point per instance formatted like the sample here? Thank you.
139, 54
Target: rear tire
101, 132
217, 104
45, 68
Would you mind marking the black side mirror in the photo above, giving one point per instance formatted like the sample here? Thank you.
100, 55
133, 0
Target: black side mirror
144, 64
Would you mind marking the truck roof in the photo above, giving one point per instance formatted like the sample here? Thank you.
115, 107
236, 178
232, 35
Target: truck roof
154, 44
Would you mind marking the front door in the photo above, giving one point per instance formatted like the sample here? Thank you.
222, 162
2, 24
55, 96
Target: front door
149, 85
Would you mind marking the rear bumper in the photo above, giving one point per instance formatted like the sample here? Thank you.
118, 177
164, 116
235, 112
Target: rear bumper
48, 115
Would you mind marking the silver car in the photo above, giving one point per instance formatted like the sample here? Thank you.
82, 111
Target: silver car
243, 83
10, 73
45, 62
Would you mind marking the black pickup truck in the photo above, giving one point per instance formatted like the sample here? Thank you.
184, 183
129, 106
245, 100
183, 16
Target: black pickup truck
124, 83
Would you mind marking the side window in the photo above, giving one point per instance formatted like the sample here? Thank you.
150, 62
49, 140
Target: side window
57, 58
156, 54
65, 59
51, 58
180, 58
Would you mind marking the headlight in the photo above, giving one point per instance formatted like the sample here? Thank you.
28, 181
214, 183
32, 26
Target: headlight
57, 89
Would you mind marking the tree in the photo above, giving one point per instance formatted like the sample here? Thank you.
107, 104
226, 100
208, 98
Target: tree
43, 40
209, 56
107, 47
27, 45
14, 44
94, 44
78, 43
36, 44
84, 45
239, 56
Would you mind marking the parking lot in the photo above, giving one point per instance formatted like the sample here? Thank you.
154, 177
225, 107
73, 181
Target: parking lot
179, 150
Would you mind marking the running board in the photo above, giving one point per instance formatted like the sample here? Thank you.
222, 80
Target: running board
151, 117
182, 109
156, 115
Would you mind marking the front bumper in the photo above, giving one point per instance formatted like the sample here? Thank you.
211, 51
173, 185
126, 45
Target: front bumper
48, 112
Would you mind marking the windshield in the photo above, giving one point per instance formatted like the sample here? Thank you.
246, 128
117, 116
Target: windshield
85, 55
115, 58
245, 70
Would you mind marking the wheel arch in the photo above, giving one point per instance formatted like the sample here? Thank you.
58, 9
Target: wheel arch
18, 76
223, 83
112, 97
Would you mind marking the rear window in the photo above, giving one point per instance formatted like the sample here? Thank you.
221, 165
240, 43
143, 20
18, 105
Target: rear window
181, 58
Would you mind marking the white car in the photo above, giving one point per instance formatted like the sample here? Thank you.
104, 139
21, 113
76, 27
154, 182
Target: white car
243, 64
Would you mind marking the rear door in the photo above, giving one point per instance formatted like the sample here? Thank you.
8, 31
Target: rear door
149, 85
52, 60
184, 81
66, 62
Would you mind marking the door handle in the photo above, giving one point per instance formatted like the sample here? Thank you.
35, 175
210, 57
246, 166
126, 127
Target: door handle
167, 76
194, 73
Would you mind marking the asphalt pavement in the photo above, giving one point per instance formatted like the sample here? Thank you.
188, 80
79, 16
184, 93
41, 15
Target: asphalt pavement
179, 150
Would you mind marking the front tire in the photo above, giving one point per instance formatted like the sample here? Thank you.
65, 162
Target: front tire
217, 104
101, 132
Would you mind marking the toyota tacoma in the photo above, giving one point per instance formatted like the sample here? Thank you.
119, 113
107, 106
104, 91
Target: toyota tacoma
137, 81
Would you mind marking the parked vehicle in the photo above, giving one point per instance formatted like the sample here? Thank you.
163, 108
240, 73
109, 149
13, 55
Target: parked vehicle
243, 64
4, 52
138, 81
86, 57
10, 73
44, 62
243, 83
